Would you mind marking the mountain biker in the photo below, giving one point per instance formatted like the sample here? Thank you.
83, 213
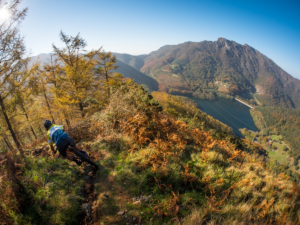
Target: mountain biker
56, 134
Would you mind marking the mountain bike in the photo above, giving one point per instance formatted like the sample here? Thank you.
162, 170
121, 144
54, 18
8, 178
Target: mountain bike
81, 156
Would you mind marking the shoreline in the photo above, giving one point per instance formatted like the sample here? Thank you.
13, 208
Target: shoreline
244, 103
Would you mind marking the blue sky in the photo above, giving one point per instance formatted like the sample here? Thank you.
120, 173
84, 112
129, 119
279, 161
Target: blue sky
141, 26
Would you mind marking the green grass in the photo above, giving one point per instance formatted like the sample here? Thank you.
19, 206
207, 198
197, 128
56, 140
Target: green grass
276, 137
120, 172
279, 146
277, 156
53, 191
280, 156
248, 134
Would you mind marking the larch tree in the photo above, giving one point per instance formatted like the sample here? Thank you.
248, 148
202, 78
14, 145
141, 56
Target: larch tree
12, 50
78, 82
23, 96
52, 72
43, 91
4, 133
105, 70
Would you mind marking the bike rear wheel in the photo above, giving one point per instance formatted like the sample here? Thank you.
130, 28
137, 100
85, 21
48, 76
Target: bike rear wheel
83, 157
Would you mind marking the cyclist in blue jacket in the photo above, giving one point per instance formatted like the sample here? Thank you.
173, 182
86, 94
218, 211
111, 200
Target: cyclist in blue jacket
57, 136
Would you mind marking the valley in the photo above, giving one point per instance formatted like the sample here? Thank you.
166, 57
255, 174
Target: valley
230, 112
214, 73
203, 132
210, 95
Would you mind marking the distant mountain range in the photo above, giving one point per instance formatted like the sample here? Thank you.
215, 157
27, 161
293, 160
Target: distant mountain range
196, 66
123, 68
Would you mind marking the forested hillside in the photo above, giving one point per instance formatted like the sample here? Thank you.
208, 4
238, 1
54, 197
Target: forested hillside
222, 66
74, 83
137, 76
160, 159
154, 169
136, 62
285, 122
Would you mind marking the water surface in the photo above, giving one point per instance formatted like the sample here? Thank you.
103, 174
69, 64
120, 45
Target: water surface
230, 112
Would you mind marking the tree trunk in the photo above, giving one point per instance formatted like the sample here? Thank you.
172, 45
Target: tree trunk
108, 88
48, 106
29, 137
66, 119
32, 130
8, 144
8, 141
81, 109
13, 134
20, 139
40, 129
67, 122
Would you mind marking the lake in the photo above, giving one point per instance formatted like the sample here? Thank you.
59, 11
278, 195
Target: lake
230, 112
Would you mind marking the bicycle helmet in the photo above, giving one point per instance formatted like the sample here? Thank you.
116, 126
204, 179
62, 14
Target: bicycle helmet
47, 124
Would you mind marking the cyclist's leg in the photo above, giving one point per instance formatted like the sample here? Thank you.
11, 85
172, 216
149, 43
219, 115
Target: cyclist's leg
73, 144
68, 157
62, 148
63, 153
70, 142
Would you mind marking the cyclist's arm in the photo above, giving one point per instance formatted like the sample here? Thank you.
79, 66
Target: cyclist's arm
50, 142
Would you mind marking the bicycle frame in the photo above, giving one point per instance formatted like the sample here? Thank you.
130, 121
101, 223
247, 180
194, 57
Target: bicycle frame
70, 153
80, 156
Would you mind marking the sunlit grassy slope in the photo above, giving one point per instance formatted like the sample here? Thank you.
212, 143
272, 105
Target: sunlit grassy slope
156, 167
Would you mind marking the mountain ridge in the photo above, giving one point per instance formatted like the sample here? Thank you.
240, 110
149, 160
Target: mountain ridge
123, 68
195, 66
243, 65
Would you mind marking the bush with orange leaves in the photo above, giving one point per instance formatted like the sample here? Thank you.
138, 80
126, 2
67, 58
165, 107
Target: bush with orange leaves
190, 171
195, 176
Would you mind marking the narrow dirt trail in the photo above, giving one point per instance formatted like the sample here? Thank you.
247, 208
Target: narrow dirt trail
106, 200
88, 173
